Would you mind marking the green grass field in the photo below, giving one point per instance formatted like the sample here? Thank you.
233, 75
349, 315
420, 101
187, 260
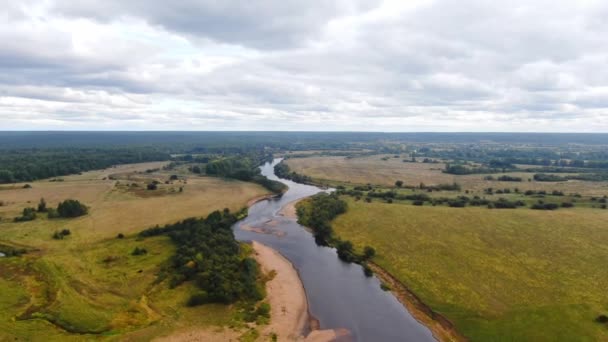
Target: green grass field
499, 275
89, 286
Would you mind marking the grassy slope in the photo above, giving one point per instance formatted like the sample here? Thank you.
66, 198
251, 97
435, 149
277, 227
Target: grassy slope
497, 274
68, 282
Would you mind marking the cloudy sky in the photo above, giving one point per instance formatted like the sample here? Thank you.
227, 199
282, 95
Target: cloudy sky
404, 65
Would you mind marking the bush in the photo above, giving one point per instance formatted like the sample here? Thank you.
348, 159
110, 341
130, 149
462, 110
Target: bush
545, 206
52, 213
567, 205
120, 236
418, 202
367, 271
368, 252
28, 214
152, 186
198, 299
601, 319
42, 206
71, 208
139, 251
60, 235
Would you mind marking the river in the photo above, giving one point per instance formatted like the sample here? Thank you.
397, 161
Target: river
339, 295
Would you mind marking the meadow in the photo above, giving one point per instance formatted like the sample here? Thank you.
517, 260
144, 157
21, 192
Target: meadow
89, 284
385, 170
498, 275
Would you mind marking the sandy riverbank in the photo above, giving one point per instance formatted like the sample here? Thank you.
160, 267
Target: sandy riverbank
289, 209
285, 294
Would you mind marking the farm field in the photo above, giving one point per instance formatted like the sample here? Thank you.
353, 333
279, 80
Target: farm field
89, 282
517, 274
384, 170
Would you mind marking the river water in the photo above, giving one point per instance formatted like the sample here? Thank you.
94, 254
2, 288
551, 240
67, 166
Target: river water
339, 295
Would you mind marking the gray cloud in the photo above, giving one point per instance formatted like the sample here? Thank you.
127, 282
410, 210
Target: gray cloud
418, 65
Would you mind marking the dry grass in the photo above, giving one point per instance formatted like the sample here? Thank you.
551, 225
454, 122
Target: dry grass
374, 170
90, 281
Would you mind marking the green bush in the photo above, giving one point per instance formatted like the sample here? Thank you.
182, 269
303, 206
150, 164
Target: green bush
71, 208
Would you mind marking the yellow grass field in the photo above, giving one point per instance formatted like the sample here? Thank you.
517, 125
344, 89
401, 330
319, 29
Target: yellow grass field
506, 275
375, 170
89, 283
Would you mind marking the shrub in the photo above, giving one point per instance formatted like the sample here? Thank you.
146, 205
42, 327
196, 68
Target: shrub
367, 271
52, 213
601, 319
198, 299
567, 205
42, 206
152, 186
139, 251
418, 202
71, 208
60, 235
368, 252
120, 236
545, 206
28, 214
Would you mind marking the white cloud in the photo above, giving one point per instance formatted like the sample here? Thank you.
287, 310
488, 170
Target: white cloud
394, 66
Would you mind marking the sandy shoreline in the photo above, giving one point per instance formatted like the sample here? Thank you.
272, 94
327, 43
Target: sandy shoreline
285, 294
289, 209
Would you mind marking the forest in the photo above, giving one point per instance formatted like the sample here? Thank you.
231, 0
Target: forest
208, 254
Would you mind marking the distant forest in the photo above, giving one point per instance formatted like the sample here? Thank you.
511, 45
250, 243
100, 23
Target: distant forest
27, 156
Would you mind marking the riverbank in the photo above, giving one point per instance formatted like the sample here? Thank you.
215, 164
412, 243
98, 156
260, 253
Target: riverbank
441, 327
285, 294
289, 209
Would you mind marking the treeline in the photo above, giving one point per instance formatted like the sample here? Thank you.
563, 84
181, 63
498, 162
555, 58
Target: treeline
26, 165
208, 254
246, 168
282, 171
67, 209
316, 213
493, 166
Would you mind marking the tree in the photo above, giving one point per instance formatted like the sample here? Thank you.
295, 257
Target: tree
42, 206
368, 252
71, 208
28, 214
399, 183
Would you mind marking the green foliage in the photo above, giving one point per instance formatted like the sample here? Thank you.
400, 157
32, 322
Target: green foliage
282, 171
60, 235
368, 252
318, 211
544, 177
24, 165
28, 214
42, 206
10, 251
399, 183
208, 254
71, 208
139, 251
